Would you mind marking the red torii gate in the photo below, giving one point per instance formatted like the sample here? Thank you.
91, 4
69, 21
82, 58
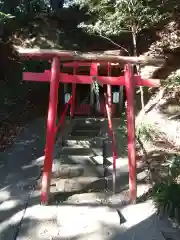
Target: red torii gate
54, 76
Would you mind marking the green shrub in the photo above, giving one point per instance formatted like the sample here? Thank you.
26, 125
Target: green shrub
145, 132
167, 199
173, 80
166, 195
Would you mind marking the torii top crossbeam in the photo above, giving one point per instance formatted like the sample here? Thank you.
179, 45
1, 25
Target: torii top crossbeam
106, 56
95, 58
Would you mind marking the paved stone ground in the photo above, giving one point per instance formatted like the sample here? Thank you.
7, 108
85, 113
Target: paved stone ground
90, 215
18, 175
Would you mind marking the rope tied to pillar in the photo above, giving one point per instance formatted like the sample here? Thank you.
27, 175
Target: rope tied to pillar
96, 88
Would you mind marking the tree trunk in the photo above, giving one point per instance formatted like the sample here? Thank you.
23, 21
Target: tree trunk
134, 37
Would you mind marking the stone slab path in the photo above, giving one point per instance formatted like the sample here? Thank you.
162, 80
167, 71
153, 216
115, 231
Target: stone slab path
90, 213
18, 176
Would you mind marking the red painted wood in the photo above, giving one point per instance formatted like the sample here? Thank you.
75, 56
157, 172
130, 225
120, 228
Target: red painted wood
82, 109
72, 109
103, 109
51, 130
78, 64
130, 89
93, 70
109, 91
113, 138
69, 78
63, 114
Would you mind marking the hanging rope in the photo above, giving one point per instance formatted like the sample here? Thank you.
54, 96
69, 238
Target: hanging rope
96, 88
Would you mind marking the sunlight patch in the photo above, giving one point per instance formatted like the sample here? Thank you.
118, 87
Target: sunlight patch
39, 161
7, 205
4, 194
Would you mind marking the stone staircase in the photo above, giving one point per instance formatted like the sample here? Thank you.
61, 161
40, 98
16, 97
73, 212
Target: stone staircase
78, 165
74, 165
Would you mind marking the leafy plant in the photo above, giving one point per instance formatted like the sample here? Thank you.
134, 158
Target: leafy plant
174, 168
173, 80
4, 17
145, 132
167, 199
114, 17
166, 195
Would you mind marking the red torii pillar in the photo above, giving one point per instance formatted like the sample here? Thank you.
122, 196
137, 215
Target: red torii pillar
51, 130
130, 89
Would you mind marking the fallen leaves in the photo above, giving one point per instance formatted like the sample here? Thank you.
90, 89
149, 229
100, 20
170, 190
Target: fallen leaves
14, 123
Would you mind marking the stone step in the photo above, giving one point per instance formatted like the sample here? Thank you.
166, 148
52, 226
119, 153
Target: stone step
81, 150
78, 151
73, 159
73, 147
86, 133
76, 139
88, 175
95, 146
80, 183
89, 121
87, 127
84, 141
89, 178
76, 184
64, 171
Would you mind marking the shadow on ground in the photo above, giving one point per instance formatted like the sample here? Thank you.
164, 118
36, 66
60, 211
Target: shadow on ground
18, 176
20, 213
41, 223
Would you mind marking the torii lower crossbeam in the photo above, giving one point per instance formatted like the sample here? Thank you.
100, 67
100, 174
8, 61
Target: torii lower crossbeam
82, 79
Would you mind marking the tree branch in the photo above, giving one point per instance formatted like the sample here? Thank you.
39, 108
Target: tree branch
110, 40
